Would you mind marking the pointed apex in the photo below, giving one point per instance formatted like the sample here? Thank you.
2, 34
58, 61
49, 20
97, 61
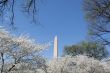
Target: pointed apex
55, 37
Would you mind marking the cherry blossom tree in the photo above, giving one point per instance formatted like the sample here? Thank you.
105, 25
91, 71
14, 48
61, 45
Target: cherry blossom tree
77, 64
20, 54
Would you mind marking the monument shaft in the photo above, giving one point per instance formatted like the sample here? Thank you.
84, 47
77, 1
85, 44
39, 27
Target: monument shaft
55, 47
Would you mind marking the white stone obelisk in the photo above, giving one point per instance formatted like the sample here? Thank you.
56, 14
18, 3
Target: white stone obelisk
55, 47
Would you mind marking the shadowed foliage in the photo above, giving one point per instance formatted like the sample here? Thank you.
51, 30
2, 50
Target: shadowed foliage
91, 49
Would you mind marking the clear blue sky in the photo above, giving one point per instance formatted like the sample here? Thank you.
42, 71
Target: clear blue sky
64, 18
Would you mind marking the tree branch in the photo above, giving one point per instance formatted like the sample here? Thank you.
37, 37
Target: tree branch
2, 62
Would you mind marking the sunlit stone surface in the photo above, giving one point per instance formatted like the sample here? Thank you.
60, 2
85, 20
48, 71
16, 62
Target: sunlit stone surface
55, 47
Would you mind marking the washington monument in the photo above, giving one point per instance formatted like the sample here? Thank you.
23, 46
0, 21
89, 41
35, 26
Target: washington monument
55, 55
